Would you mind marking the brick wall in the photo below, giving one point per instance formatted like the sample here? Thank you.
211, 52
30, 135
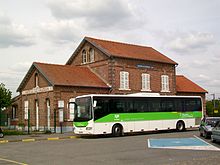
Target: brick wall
59, 93
109, 69
99, 56
155, 70
42, 82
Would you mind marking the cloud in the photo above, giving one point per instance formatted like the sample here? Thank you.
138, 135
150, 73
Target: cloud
96, 13
12, 34
187, 42
61, 32
11, 79
21, 67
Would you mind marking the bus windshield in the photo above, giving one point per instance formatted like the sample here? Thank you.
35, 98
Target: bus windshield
83, 111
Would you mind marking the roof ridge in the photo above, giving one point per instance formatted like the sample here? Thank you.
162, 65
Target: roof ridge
61, 65
117, 42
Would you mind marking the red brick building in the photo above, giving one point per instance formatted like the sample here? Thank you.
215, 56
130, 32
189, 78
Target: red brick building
96, 66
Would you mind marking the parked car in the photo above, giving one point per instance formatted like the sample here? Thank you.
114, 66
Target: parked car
206, 126
1, 133
216, 133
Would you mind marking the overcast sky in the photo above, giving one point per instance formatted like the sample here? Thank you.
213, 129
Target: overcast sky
187, 31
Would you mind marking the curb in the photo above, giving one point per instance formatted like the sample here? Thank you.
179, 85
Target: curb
38, 139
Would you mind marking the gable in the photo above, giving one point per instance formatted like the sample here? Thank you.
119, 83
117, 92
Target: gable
64, 75
124, 50
28, 81
77, 57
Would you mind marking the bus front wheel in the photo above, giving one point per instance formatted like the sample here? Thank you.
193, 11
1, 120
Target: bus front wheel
180, 126
117, 130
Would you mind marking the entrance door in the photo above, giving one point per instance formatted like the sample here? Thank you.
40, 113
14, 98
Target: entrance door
37, 115
48, 113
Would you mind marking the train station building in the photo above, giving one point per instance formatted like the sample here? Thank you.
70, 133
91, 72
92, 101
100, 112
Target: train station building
95, 67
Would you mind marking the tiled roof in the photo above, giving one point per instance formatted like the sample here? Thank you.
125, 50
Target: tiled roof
70, 75
183, 84
131, 51
66, 75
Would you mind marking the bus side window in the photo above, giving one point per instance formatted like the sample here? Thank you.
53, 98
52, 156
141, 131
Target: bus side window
117, 106
190, 105
179, 105
170, 106
101, 109
141, 105
155, 105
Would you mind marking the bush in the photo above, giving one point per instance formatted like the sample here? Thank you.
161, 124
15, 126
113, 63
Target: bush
13, 132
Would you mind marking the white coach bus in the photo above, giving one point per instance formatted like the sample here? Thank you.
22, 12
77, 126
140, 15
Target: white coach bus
119, 114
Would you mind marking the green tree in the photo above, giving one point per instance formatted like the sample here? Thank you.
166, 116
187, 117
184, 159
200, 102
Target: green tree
210, 108
5, 99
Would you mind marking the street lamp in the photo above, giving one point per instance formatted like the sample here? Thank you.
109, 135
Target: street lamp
213, 103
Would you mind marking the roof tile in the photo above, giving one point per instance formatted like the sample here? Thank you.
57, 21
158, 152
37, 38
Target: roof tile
70, 75
183, 84
125, 50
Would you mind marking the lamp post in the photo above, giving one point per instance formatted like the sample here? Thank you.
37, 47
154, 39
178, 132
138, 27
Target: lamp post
213, 103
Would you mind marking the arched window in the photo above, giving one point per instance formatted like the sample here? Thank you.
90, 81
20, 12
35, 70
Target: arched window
92, 55
84, 56
36, 80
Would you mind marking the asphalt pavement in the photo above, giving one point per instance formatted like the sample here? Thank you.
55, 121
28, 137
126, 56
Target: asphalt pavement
131, 149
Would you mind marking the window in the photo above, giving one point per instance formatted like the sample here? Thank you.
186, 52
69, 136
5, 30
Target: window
26, 110
14, 112
84, 58
71, 109
124, 80
118, 105
164, 83
36, 80
102, 108
192, 105
141, 105
145, 82
91, 55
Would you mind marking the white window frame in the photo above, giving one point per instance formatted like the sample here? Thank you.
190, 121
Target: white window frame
26, 109
71, 109
124, 80
165, 83
92, 55
14, 112
145, 82
84, 56
36, 80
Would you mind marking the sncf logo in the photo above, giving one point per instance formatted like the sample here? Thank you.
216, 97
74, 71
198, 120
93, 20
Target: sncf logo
117, 116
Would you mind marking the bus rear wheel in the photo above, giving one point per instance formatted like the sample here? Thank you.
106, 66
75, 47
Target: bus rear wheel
180, 126
117, 130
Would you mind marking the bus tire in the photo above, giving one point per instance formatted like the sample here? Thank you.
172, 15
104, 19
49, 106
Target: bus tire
117, 130
212, 139
180, 126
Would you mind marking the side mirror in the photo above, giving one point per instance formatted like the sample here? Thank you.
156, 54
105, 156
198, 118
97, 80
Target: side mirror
72, 107
216, 124
94, 103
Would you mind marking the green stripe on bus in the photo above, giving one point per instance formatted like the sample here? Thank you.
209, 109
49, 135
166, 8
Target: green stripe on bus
123, 117
80, 124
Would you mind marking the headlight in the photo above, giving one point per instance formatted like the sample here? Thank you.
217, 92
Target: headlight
88, 128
